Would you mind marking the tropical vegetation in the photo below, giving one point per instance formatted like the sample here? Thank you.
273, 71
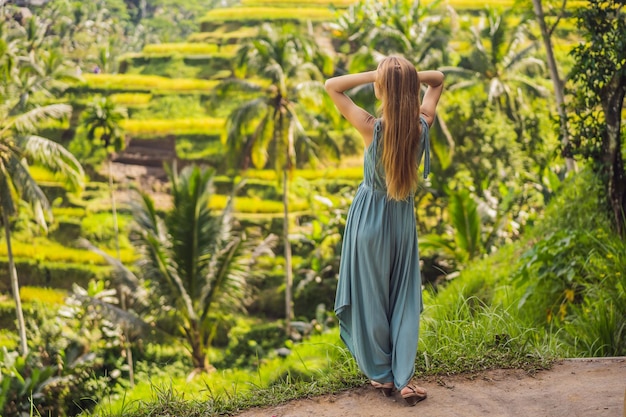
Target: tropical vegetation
174, 184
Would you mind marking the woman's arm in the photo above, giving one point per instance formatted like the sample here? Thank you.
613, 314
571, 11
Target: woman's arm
434, 81
357, 116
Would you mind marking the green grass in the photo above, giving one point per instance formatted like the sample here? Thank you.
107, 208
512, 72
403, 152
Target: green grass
352, 173
310, 370
163, 127
44, 250
285, 3
189, 49
244, 14
131, 99
256, 205
8, 340
457, 338
137, 82
47, 296
199, 148
223, 34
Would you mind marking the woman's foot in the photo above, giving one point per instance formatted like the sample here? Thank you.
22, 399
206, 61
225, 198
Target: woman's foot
386, 388
413, 394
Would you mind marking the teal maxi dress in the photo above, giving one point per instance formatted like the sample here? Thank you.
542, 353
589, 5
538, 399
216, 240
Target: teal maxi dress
379, 294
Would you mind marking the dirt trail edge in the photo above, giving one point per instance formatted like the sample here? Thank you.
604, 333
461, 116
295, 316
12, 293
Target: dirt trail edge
572, 388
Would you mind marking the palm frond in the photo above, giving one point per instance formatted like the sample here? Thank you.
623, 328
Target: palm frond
258, 143
54, 157
461, 85
28, 189
236, 85
192, 226
153, 242
241, 117
122, 274
437, 243
218, 274
466, 221
133, 324
532, 85
28, 121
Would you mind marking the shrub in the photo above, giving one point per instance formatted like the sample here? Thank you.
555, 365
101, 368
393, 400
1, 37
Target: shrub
8, 339
573, 276
72, 362
200, 147
249, 345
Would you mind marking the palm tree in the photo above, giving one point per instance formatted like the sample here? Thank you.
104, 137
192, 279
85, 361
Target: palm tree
501, 61
557, 82
18, 146
352, 26
103, 118
197, 262
414, 29
28, 71
267, 130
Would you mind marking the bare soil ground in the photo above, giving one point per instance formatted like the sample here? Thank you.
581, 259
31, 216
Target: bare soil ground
572, 388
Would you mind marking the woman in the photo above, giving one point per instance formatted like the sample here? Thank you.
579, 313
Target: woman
379, 298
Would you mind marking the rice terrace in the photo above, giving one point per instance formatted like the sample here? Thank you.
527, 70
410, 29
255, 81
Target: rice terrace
175, 181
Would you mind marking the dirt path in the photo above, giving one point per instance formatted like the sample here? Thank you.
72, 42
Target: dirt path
572, 388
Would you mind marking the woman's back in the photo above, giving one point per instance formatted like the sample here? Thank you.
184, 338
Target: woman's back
373, 169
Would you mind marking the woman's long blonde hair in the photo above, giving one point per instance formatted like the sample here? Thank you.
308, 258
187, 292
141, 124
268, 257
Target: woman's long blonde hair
399, 88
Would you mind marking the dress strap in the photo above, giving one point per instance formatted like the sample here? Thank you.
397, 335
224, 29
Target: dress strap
377, 130
425, 147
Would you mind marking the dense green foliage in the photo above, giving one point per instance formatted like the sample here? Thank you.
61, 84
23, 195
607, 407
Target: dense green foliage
600, 86
521, 262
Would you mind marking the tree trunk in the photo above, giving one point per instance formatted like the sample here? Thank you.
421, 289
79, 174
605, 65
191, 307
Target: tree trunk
612, 103
120, 289
559, 94
288, 272
113, 208
198, 354
21, 325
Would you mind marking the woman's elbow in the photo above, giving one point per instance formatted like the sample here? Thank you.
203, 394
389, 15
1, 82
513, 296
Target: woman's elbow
328, 85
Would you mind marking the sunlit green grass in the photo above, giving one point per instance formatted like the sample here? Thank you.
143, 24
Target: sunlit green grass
243, 14
162, 127
223, 34
47, 296
286, 3
135, 82
189, 49
131, 99
465, 336
45, 250
8, 339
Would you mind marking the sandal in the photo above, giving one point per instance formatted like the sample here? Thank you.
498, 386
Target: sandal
412, 397
386, 388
